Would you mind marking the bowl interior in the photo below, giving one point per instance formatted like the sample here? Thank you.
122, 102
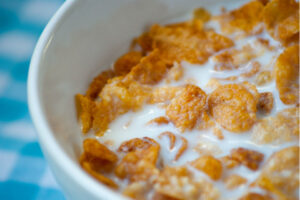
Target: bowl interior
86, 40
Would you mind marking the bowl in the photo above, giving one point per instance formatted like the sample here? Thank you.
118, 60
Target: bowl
82, 39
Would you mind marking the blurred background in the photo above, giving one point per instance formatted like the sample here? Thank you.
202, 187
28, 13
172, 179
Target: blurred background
24, 173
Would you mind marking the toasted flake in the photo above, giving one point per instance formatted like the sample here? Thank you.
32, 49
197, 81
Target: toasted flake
256, 196
280, 174
159, 120
284, 127
107, 181
171, 136
287, 75
249, 158
185, 110
125, 63
136, 143
85, 107
98, 83
233, 106
182, 149
209, 165
281, 18
245, 18
233, 181
263, 78
265, 102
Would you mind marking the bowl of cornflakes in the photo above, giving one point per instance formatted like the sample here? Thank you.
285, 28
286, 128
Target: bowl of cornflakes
170, 100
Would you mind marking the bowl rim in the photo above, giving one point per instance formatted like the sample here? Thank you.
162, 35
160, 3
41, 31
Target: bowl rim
44, 133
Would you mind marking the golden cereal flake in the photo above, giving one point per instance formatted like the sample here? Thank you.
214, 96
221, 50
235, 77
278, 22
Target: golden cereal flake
150, 70
139, 164
233, 106
233, 58
178, 183
98, 83
185, 109
178, 43
280, 174
256, 196
287, 75
85, 107
125, 63
284, 127
103, 179
205, 147
171, 136
209, 165
165, 94
159, 120
137, 190
281, 18
246, 157
136, 143
265, 102
175, 73
118, 97
233, 181
182, 149
263, 78
245, 18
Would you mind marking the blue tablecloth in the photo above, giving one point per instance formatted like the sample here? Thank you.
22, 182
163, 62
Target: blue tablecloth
24, 173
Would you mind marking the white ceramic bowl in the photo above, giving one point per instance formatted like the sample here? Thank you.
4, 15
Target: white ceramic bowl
83, 38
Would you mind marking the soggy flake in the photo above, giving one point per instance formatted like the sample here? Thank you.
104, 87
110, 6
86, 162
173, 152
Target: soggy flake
209, 165
125, 63
284, 127
85, 107
233, 106
287, 75
245, 18
280, 174
185, 109
281, 18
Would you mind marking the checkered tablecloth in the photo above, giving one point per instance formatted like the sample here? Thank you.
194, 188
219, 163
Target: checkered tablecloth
24, 173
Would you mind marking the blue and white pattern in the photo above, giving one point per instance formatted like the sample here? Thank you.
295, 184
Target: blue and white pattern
24, 173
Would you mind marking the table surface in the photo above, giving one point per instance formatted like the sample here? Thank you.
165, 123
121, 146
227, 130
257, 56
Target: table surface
24, 172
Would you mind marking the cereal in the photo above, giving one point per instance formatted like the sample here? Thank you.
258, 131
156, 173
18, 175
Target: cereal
245, 18
98, 83
159, 120
171, 136
233, 107
281, 21
209, 165
118, 97
233, 58
284, 127
182, 149
184, 110
287, 75
139, 165
136, 143
176, 182
249, 158
265, 102
150, 70
86, 166
85, 107
207, 148
177, 43
126, 62
263, 78
190, 114
280, 175
233, 181
165, 94
256, 196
